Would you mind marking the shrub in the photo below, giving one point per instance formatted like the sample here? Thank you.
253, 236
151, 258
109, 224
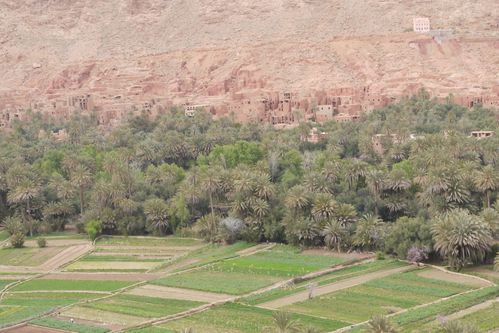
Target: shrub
231, 229
380, 255
17, 240
13, 224
417, 254
93, 228
42, 242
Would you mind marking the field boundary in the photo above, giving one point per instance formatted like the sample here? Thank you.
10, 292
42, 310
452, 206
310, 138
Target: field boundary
347, 328
204, 307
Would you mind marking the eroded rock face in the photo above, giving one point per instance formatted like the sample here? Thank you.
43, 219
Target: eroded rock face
219, 52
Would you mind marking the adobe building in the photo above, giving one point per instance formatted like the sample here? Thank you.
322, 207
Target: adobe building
314, 136
421, 25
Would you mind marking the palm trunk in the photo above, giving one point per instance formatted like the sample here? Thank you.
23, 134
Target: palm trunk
28, 209
211, 206
487, 193
81, 201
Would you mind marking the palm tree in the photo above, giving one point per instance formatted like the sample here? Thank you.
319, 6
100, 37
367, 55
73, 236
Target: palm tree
461, 237
345, 214
156, 211
333, 233
81, 178
487, 181
210, 183
283, 323
354, 169
323, 207
369, 232
380, 324
376, 183
24, 193
297, 199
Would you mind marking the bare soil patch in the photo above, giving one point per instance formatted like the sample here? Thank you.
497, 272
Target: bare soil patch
68, 255
101, 276
180, 265
178, 293
452, 277
90, 322
54, 242
104, 317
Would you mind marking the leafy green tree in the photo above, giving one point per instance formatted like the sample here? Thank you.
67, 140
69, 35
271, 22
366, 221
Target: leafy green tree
461, 238
406, 233
93, 228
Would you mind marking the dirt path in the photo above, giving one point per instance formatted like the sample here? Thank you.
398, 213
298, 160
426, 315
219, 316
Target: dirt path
336, 286
66, 256
178, 293
472, 309
438, 274
101, 276
255, 249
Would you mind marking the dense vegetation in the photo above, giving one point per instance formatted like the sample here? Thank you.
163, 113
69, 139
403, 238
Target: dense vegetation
432, 190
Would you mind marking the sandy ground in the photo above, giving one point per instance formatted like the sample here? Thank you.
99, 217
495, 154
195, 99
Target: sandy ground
90, 322
31, 329
472, 309
58, 242
105, 317
178, 293
451, 277
101, 276
326, 289
69, 254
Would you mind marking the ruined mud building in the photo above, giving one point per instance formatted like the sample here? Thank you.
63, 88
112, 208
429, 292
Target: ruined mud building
276, 108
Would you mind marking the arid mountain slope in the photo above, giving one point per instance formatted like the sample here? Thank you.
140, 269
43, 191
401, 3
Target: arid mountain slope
209, 50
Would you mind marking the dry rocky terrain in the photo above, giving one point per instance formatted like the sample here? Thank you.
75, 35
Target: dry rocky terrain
208, 51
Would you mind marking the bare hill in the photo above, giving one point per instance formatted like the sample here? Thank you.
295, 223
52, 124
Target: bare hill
202, 51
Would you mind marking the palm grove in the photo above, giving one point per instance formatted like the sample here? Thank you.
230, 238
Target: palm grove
432, 191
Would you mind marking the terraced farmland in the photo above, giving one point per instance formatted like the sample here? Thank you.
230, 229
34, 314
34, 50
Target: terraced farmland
168, 284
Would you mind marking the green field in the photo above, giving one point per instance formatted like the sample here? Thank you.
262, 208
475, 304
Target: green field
486, 319
224, 269
146, 307
381, 296
148, 241
27, 256
18, 307
341, 274
244, 274
237, 318
208, 254
71, 285
67, 326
